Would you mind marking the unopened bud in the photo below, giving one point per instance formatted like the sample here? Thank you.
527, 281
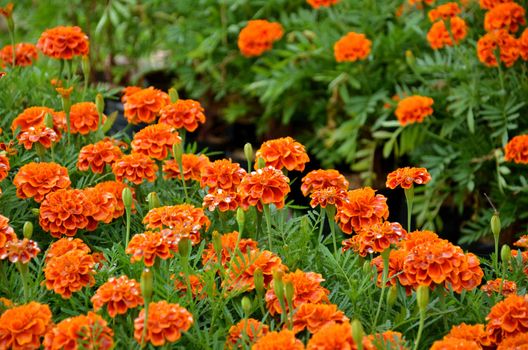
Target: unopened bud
35, 211
85, 65
248, 152
258, 278
409, 57
367, 267
278, 284
289, 291
261, 163
184, 247
495, 224
357, 333
177, 152
126, 195
392, 296
217, 245
241, 219
153, 200
100, 104
173, 95
246, 305
505, 254
422, 297
147, 282
28, 229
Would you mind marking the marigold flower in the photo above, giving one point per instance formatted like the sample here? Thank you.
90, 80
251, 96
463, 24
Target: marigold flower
387, 339
283, 152
245, 332
155, 141
264, 186
103, 203
135, 167
128, 91
223, 200
34, 117
4, 166
143, 106
20, 251
222, 174
7, 10
69, 272
517, 150
96, 156
241, 270
507, 16
63, 43
183, 114
321, 3
116, 188
375, 238
475, 333
444, 11
258, 37
307, 289
502, 41
284, 339
362, 207
455, 344
192, 165
496, 285
490, 4
413, 109
321, 179
177, 216
195, 282
396, 261
165, 323
507, 318
352, 47
25, 54
22, 327
65, 245
522, 242
417, 238
327, 196
5, 304
41, 134
84, 118
517, 342
229, 245
407, 177
89, 331
440, 36
314, 316
333, 336
523, 45
36, 180
119, 295
7, 234
151, 244
64, 92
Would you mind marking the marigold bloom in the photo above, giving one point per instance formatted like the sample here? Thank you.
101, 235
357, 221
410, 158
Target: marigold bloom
229, 243
183, 114
333, 336
119, 295
4, 166
195, 282
264, 186
155, 141
417, 238
116, 188
314, 316
223, 200
143, 106
64, 212
507, 318
128, 91
517, 150
502, 41
517, 342
41, 134
103, 203
177, 216
396, 261
407, 177
22, 327
475, 333
327, 196
84, 118
282, 340
522, 242
96, 156
135, 167
523, 45
444, 11
352, 47
69, 272
362, 207
321, 3
149, 245
7, 10
20, 251
413, 109
490, 4
165, 323
36, 180
258, 37
245, 332
455, 344
7, 234
65, 245
63, 43
34, 117
25, 54
321, 179
283, 152
507, 16
192, 165
222, 174
241, 270
387, 339
375, 238
440, 36
307, 289
91, 331
497, 285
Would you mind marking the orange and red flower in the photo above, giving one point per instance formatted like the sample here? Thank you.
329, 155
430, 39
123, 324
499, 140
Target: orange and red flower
25, 54
223, 200
439, 35
41, 134
375, 238
7, 234
241, 270
103, 204
34, 117
475, 333
229, 242
455, 344
36, 180
352, 47
96, 156
523, 45
177, 216
413, 109
195, 282
22, 327
313, 317
444, 11
490, 4
321, 3
4, 166
155, 141
283, 152
499, 286
321, 179
183, 114
65, 245
119, 295
222, 174
116, 188
64, 43
407, 177
20, 251
151, 244
517, 342
508, 16
135, 167
84, 118
245, 332
507, 318
264, 186
128, 91
396, 261
327, 196
258, 37
501, 40
333, 336
284, 339
143, 106
192, 165
362, 207
517, 150
7, 11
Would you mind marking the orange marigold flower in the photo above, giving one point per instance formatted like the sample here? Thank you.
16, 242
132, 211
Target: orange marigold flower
375, 238
417, 238
7, 10
128, 91
396, 261
155, 141
407, 177
149, 245
25, 54
284, 339
7, 234
507, 16
183, 114
314, 316
64, 92
241, 271
469, 274
413, 109
36, 180
352, 47
69, 272
195, 282
333, 336
64, 212
362, 207
444, 11
143, 106
4, 166
192, 165
321, 3
385, 340
119, 295
64, 43
135, 167
500, 40
165, 323
65, 245
522, 242
490, 4
96, 156
283, 152
222, 174
517, 150
177, 216
475, 333
507, 318
455, 344
84, 118
223, 200
517, 342
327, 196
34, 117
229, 245
264, 186
523, 45
20, 251
440, 36
116, 188
89, 331
22, 327
498, 286
307, 289
104, 204
258, 37
321, 179
245, 333
41, 134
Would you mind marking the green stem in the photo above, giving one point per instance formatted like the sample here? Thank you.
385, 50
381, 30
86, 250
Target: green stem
267, 215
385, 256
145, 325
23, 269
420, 329
330, 214
322, 218
496, 257
128, 217
11, 28
409, 196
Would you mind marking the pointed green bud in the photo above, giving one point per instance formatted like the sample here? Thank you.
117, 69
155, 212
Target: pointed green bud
258, 278
153, 200
278, 284
505, 254
147, 285
261, 163
217, 245
357, 333
48, 121
289, 290
422, 297
184, 247
28, 229
248, 152
367, 267
177, 152
392, 296
100, 104
246, 306
126, 195
173, 95
241, 220
85, 65
495, 224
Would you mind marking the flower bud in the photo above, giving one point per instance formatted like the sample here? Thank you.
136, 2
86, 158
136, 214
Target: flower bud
258, 278
248, 152
85, 65
126, 195
505, 253
367, 267
495, 224
177, 152
261, 163
357, 333
409, 57
153, 200
278, 285
392, 296
246, 305
241, 219
28, 229
184, 247
147, 284
100, 104
217, 245
173, 95
422, 297
48, 121
35, 211
289, 291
